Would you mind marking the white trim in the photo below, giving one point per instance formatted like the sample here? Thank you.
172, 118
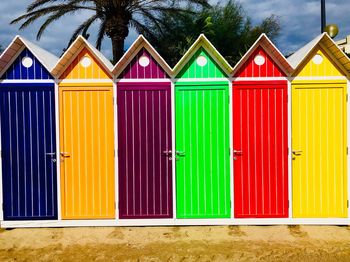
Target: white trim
143, 80
222, 79
78, 81
116, 150
347, 141
27, 81
13, 59
232, 172
58, 150
290, 162
259, 78
292, 221
175, 222
316, 78
173, 134
1, 196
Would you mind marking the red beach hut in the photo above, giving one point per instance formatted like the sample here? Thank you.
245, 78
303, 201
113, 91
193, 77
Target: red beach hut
260, 132
144, 133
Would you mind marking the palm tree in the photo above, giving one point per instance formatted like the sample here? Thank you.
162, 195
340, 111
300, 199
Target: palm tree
226, 25
115, 17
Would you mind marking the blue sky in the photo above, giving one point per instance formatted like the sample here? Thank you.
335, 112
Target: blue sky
300, 21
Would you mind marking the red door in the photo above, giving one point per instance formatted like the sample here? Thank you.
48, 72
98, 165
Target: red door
260, 143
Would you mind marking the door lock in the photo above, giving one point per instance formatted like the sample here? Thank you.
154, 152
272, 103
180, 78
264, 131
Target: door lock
180, 153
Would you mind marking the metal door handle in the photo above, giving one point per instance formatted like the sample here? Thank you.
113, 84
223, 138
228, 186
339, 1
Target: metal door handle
51, 154
297, 152
237, 152
65, 154
180, 153
167, 152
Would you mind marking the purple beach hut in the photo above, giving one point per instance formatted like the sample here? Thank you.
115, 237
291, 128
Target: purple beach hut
144, 112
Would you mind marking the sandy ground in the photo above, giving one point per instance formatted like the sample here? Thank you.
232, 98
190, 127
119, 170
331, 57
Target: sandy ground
215, 243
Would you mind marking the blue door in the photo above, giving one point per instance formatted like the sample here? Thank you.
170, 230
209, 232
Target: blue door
28, 140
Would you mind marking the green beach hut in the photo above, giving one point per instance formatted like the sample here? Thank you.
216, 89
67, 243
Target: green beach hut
202, 124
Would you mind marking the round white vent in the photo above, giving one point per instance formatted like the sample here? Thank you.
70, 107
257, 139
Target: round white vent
202, 60
317, 59
259, 60
27, 62
85, 61
144, 61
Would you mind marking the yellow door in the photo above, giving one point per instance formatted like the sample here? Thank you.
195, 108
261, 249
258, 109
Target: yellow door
319, 150
87, 152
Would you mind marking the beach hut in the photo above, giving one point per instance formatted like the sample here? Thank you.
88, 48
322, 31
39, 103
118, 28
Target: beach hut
260, 132
202, 119
86, 133
144, 102
319, 130
28, 132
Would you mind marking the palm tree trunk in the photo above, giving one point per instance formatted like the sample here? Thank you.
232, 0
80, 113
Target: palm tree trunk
117, 47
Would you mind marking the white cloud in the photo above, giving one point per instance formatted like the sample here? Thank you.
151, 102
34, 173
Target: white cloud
300, 19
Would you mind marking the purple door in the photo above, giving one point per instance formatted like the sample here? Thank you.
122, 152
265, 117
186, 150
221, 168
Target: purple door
144, 150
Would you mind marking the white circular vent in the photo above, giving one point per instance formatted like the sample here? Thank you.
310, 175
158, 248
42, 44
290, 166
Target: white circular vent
259, 60
201, 60
144, 61
317, 59
27, 62
85, 61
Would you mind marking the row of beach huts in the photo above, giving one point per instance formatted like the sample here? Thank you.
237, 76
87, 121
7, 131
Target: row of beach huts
86, 143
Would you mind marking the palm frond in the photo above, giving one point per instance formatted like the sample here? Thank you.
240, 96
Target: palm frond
100, 35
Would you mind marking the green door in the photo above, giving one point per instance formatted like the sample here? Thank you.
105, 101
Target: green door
202, 150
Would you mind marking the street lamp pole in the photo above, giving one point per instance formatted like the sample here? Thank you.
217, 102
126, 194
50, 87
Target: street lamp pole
323, 15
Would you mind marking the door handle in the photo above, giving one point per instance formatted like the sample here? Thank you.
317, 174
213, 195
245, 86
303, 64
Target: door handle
237, 152
167, 152
180, 153
297, 152
51, 154
65, 154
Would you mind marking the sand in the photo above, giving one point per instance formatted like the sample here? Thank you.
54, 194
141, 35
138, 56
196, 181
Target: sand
215, 243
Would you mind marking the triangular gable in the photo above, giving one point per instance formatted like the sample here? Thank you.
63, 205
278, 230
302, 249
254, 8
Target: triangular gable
75, 53
18, 71
193, 70
274, 63
134, 70
328, 66
75, 69
15, 48
268, 69
202, 44
326, 43
130, 61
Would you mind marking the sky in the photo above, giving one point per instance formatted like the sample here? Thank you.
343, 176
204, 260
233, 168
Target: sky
300, 22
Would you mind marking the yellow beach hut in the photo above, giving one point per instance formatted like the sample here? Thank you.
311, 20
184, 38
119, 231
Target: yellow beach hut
319, 130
